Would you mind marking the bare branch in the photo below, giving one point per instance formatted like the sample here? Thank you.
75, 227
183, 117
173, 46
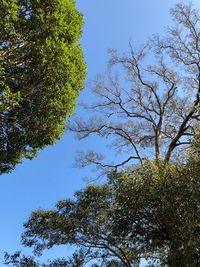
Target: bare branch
154, 108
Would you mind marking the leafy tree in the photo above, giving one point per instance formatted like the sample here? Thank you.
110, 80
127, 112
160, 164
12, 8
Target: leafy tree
154, 111
42, 71
86, 223
160, 213
150, 213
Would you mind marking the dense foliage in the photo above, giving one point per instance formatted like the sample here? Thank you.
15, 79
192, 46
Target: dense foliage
42, 71
150, 213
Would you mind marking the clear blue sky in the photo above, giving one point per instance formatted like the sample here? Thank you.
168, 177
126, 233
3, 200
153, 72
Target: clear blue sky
43, 181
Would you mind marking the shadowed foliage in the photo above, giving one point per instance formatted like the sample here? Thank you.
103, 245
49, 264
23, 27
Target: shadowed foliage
150, 213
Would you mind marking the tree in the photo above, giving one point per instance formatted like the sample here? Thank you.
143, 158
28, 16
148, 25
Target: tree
149, 210
150, 213
85, 222
42, 71
160, 213
154, 111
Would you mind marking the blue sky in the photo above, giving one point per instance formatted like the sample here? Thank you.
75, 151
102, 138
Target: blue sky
43, 181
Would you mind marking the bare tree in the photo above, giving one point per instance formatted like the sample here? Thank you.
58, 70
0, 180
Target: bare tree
154, 111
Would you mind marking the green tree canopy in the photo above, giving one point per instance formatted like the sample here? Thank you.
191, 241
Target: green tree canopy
150, 213
42, 71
